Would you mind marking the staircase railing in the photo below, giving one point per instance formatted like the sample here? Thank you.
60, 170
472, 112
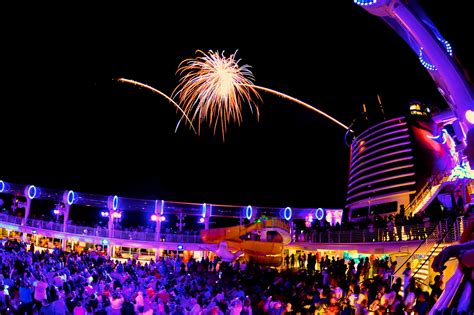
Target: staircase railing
427, 259
428, 242
434, 181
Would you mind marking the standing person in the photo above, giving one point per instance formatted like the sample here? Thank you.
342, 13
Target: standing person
407, 274
40, 291
26, 305
79, 309
195, 308
399, 220
140, 303
247, 308
47, 308
116, 302
421, 306
436, 289
390, 228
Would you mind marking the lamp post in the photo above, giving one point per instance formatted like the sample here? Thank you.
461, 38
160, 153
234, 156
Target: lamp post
69, 197
158, 217
57, 212
112, 205
31, 192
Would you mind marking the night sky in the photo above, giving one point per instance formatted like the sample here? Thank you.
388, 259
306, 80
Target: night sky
69, 115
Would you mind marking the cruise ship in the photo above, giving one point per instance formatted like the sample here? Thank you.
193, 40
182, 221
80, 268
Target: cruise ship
408, 192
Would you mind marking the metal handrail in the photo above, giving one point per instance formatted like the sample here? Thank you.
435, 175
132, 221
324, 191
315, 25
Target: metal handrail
424, 242
435, 180
438, 243
405, 232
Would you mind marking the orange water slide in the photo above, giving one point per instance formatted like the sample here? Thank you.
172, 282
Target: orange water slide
263, 252
216, 235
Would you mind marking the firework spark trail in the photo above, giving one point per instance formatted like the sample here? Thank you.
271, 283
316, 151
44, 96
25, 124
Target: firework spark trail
301, 103
213, 87
133, 82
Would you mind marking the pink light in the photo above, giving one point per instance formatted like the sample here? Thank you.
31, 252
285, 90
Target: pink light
154, 217
201, 220
56, 211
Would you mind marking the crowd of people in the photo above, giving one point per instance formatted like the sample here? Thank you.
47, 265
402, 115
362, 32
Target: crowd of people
57, 282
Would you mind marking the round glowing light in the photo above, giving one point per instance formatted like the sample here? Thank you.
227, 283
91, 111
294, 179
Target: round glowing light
248, 212
180, 247
2, 186
319, 213
115, 202
154, 217
104, 242
163, 218
470, 116
365, 2
32, 191
287, 213
201, 220
70, 197
56, 211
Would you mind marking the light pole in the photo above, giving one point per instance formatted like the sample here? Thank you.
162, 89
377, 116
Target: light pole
112, 205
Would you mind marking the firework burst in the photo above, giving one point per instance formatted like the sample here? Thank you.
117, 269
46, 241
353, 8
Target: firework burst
213, 88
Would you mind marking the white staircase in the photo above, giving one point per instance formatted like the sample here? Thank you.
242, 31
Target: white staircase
426, 194
422, 270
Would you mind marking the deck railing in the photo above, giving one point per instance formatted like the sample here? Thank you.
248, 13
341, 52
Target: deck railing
398, 233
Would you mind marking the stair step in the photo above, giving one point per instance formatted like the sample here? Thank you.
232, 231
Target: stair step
422, 278
423, 272
423, 268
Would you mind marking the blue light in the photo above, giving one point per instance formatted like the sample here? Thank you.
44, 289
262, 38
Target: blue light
287, 213
31, 191
365, 2
203, 210
115, 202
104, 242
180, 247
319, 214
2, 186
447, 46
425, 63
33, 231
248, 212
70, 197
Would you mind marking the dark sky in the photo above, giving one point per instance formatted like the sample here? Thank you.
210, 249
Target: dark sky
68, 116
